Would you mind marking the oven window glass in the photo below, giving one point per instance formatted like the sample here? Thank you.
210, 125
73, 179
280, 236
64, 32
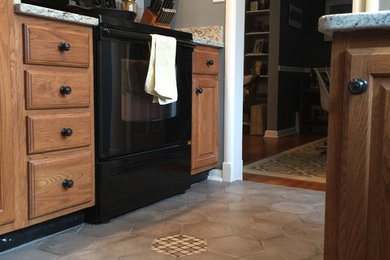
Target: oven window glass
127, 119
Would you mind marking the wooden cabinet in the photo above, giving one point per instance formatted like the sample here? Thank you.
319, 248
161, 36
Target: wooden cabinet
7, 176
205, 81
358, 182
52, 116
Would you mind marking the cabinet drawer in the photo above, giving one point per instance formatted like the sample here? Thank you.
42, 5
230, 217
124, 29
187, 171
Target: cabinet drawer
51, 89
47, 132
51, 179
45, 45
206, 60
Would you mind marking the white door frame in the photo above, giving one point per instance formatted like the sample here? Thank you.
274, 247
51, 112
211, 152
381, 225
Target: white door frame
234, 71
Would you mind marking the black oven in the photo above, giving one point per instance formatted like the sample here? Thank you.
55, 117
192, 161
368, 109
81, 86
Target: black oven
143, 151
127, 120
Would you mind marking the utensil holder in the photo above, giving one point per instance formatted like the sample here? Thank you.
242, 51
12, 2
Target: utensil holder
161, 19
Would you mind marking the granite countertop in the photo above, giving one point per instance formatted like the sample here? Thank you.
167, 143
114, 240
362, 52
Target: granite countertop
53, 14
211, 35
354, 21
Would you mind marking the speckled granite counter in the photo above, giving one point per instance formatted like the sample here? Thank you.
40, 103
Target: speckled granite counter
211, 35
354, 21
53, 14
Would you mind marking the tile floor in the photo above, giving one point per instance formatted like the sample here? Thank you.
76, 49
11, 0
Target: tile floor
241, 220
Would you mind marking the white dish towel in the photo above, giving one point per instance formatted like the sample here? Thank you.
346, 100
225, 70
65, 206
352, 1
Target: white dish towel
161, 78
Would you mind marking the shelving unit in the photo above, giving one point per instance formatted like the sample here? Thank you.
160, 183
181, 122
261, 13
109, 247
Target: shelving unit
256, 57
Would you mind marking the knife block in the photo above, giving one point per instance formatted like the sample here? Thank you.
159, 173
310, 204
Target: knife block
148, 17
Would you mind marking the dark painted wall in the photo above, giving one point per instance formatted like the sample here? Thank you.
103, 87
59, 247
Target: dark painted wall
291, 47
302, 48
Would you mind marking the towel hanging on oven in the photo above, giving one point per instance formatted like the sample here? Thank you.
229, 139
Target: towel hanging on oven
161, 78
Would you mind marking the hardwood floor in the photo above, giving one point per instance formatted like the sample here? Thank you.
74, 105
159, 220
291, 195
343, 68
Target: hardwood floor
256, 148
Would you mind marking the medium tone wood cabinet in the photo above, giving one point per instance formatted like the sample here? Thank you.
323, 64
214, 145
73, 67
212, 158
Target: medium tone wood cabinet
357, 222
7, 176
205, 85
52, 138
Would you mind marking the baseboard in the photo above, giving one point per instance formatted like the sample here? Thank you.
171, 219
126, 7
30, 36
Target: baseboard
215, 175
280, 133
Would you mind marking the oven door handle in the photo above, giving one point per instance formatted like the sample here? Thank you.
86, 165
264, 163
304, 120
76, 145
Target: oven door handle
115, 33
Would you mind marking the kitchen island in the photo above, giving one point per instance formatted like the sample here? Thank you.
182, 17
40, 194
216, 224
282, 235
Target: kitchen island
358, 181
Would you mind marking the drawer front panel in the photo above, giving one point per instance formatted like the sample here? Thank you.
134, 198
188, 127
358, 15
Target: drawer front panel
47, 45
51, 90
206, 60
51, 132
49, 181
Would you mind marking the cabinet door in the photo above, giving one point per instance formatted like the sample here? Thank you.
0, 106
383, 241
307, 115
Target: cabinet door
7, 212
358, 183
204, 123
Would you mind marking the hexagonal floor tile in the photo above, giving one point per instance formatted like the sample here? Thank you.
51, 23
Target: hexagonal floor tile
258, 231
235, 246
28, 254
290, 248
207, 230
184, 217
292, 207
306, 231
68, 243
232, 217
157, 229
277, 218
113, 228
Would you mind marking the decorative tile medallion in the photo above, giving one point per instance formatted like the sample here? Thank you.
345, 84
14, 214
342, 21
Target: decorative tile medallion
179, 245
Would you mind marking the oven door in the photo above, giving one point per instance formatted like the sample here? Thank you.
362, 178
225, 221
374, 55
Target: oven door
127, 119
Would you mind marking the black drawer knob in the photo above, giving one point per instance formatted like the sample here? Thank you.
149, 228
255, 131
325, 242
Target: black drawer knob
357, 86
66, 132
209, 62
64, 46
67, 183
199, 90
65, 90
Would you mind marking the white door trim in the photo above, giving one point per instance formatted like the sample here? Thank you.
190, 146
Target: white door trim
234, 71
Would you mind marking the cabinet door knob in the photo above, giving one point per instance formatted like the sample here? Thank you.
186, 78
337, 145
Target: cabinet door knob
199, 90
358, 86
67, 183
66, 132
65, 90
209, 62
64, 46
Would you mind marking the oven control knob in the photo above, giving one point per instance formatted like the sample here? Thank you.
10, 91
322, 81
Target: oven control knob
209, 62
66, 132
65, 90
199, 90
64, 46
67, 183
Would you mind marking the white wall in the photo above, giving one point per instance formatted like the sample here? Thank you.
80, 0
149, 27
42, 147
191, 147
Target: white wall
384, 4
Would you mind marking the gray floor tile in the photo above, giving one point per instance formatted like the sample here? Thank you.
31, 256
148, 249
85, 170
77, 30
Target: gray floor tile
277, 218
234, 246
207, 230
230, 217
184, 217
157, 229
306, 231
292, 207
290, 248
67, 243
147, 256
113, 228
27, 254
258, 231
236, 219
209, 256
141, 215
